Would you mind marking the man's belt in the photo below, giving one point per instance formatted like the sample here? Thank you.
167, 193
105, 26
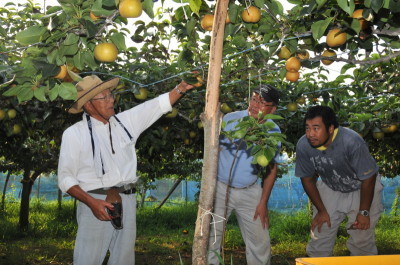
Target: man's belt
125, 189
245, 187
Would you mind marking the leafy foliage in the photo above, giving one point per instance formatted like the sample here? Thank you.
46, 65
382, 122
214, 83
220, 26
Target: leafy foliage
256, 136
157, 53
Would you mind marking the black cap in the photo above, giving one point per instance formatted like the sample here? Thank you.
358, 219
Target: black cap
269, 93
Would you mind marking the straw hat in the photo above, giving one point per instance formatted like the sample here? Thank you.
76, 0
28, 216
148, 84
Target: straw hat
89, 87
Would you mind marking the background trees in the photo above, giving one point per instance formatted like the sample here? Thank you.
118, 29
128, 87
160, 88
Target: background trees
43, 52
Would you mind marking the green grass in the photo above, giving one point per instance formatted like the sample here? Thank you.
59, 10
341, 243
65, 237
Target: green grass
164, 236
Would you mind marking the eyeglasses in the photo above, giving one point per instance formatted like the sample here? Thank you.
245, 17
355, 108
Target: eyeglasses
107, 97
260, 102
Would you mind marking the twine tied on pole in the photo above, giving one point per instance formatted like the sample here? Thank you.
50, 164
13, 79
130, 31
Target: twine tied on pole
206, 212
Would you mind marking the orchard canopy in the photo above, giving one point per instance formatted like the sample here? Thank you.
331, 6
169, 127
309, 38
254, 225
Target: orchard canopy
340, 53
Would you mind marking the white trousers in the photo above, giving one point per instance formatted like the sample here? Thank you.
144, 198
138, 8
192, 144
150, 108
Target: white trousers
95, 237
339, 206
244, 203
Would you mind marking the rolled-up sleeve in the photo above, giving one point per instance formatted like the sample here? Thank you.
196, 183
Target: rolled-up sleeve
144, 115
68, 160
165, 103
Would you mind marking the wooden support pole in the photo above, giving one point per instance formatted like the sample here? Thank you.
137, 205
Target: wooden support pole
211, 119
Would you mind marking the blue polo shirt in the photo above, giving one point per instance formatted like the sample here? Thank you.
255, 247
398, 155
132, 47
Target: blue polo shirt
244, 173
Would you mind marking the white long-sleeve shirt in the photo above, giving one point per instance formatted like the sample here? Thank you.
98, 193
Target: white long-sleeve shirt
76, 162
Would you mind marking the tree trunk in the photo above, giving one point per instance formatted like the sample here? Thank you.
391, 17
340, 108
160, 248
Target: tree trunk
38, 188
212, 121
27, 183
75, 203
3, 197
142, 197
169, 193
59, 198
186, 192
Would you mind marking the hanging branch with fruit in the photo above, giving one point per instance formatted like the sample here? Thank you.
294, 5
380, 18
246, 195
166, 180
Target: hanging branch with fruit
254, 134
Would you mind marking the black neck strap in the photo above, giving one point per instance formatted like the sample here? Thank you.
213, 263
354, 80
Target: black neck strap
127, 132
89, 123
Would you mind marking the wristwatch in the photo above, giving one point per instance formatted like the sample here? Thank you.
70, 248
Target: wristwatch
364, 212
180, 91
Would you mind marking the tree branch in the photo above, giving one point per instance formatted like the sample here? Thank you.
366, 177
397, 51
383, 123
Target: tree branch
387, 32
271, 15
353, 61
109, 20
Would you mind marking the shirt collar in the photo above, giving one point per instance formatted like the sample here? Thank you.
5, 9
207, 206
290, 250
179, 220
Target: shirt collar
323, 148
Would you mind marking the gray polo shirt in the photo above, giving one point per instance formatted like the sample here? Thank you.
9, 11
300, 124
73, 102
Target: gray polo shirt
341, 166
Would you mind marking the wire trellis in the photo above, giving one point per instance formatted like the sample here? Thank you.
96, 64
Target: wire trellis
224, 59
141, 85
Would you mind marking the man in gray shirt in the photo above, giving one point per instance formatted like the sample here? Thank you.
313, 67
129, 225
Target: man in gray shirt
341, 179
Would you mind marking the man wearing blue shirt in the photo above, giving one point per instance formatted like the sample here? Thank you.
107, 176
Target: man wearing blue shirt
245, 197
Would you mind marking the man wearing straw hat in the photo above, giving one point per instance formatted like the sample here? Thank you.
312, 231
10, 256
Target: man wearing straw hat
97, 166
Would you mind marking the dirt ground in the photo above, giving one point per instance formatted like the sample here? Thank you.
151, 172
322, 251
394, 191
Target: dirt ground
29, 251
